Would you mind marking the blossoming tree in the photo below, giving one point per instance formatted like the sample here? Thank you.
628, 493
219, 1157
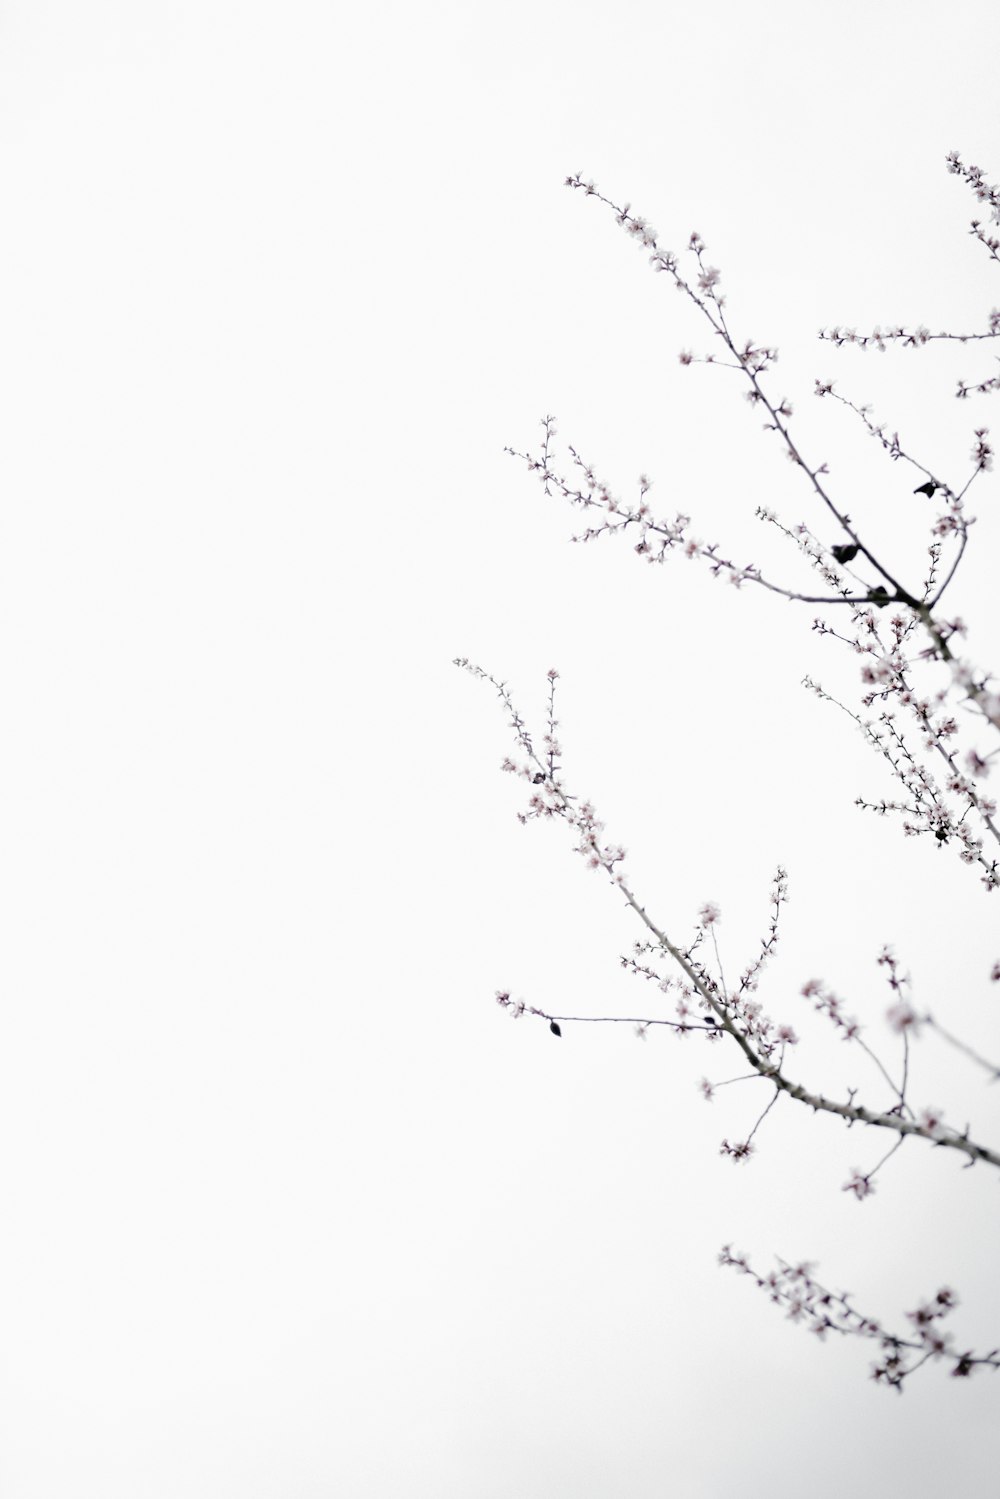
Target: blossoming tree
926, 710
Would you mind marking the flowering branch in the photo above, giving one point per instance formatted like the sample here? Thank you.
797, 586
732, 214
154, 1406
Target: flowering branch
752, 360
738, 1016
916, 338
888, 669
822, 1311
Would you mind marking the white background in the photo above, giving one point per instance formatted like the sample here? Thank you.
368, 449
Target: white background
290, 1208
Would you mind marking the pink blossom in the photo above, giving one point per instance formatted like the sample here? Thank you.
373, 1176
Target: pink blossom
976, 764
903, 1017
741, 1151
859, 1184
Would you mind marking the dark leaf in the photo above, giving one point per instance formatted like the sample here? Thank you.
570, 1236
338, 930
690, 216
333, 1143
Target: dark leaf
845, 553
927, 489
554, 1028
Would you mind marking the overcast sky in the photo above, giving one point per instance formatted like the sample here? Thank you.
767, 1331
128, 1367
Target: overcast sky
291, 1208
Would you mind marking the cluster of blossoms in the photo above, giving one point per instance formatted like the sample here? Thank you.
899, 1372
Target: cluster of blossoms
901, 1015
742, 1150
987, 195
860, 1184
919, 732
879, 338
827, 1003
